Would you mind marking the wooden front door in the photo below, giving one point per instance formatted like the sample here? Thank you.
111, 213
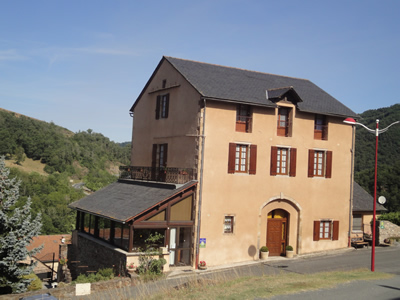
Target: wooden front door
276, 236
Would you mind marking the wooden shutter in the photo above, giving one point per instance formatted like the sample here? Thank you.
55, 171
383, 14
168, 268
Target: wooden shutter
292, 170
253, 159
166, 105
311, 163
335, 232
328, 172
231, 158
165, 155
158, 104
154, 156
274, 155
316, 231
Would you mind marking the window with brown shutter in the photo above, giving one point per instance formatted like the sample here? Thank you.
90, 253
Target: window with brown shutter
243, 118
326, 230
320, 127
242, 158
284, 121
162, 106
283, 161
319, 163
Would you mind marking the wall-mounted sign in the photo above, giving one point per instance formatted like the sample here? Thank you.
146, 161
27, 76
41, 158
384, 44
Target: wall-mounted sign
202, 243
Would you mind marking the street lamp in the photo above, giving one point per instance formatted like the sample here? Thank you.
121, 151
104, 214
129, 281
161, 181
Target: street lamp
351, 121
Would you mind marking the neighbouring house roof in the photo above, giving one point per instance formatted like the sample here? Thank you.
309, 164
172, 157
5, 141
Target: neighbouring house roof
251, 87
51, 244
121, 201
363, 201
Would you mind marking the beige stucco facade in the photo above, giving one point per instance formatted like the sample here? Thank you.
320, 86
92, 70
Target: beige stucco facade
198, 132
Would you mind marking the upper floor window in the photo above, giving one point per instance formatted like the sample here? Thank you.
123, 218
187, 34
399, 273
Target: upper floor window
243, 118
284, 124
319, 163
159, 157
283, 161
326, 230
162, 106
242, 158
320, 128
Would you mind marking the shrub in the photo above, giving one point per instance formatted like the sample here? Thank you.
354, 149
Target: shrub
264, 249
147, 263
36, 283
393, 217
101, 275
289, 248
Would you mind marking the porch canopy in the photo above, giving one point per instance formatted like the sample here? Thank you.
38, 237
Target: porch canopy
114, 212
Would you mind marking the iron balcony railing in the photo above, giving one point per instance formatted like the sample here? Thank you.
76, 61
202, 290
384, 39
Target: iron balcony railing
168, 175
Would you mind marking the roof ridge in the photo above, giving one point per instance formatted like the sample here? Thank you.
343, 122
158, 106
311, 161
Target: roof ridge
235, 68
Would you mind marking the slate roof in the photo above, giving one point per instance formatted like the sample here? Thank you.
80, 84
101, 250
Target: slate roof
243, 86
124, 199
363, 201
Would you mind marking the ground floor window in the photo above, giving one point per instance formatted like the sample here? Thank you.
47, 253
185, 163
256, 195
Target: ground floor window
228, 224
326, 230
357, 222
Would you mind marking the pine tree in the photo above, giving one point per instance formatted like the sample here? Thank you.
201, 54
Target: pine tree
17, 228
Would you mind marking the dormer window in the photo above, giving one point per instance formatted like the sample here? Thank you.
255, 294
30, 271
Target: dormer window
243, 118
284, 124
320, 127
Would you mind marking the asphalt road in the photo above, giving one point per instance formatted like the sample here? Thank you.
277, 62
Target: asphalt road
387, 260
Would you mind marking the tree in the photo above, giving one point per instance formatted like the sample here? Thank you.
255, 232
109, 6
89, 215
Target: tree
17, 229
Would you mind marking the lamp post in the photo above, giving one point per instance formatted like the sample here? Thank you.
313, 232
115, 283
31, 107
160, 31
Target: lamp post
351, 121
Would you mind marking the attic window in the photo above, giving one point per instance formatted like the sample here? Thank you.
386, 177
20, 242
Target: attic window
164, 83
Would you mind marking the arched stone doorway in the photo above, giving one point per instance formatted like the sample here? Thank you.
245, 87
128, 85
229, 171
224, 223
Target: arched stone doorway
277, 231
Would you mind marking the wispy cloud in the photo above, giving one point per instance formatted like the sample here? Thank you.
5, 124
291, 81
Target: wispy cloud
11, 54
106, 51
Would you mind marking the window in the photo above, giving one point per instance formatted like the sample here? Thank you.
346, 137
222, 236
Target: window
159, 162
243, 118
319, 163
162, 106
320, 128
242, 158
326, 230
357, 222
283, 161
160, 152
228, 224
284, 126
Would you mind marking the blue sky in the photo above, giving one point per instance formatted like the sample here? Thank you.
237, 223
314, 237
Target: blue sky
82, 64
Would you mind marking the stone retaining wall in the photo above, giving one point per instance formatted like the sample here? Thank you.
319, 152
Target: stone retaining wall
389, 230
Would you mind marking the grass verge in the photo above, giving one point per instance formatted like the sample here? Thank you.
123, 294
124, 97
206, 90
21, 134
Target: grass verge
265, 286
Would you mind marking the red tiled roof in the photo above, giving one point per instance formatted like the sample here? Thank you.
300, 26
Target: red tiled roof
51, 245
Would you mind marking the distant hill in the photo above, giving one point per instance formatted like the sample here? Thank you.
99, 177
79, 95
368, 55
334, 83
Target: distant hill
58, 148
33, 148
388, 154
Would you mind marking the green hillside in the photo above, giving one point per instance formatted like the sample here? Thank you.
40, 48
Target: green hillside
388, 154
66, 158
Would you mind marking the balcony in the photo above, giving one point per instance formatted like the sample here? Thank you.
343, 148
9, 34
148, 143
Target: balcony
168, 175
